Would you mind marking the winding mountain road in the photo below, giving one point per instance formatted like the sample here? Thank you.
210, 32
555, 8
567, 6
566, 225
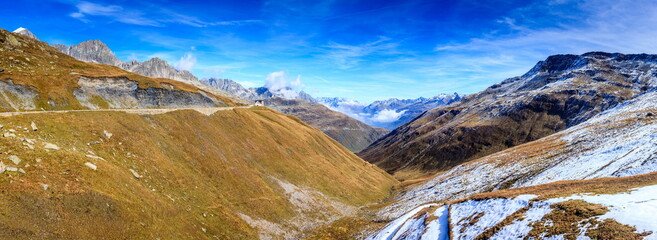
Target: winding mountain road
206, 111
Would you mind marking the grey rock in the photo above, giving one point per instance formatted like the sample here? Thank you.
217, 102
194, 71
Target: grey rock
25, 32
15, 159
93, 51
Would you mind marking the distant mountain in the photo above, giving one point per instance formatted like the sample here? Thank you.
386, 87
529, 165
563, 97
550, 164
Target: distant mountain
560, 92
25, 32
353, 134
95, 51
602, 171
260, 93
389, 113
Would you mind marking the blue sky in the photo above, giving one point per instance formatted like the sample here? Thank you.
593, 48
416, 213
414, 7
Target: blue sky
366, 50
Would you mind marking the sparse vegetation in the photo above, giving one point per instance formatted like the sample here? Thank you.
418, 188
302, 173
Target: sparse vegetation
198, 172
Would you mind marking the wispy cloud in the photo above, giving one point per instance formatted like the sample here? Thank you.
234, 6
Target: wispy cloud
592, 25
115, 12
156, 18
348, 56
186, 62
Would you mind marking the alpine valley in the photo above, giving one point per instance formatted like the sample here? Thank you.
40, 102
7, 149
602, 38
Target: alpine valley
95, 147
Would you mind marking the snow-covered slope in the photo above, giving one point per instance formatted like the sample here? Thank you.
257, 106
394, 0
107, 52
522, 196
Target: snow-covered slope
625, 215
25, 32
558, 93
621, 141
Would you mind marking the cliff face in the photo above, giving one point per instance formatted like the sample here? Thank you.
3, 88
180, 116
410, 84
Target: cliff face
36, 76
557, 93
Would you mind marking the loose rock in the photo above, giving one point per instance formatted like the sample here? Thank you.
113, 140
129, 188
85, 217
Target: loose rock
107, 134
44, 186
8, 134
15, 159
90, 165
34, 127
94, 157
50, 146
3, 167
135, 173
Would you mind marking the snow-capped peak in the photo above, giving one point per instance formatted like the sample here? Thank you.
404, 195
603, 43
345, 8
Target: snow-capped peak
25, 32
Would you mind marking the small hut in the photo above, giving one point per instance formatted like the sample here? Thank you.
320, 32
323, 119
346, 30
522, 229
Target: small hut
259, 103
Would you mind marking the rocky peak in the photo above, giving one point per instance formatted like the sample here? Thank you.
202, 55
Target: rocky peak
25, 32
90, 51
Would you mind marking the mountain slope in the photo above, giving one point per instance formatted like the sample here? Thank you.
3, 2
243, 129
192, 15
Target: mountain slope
519, 192
37, 76
350, 132
557, 93
235, 174
619, 142
608, 208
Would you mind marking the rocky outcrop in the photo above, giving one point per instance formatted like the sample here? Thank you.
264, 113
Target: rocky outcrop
93, 51
109, 92
14, 97
557, 93
96, 51
37, 76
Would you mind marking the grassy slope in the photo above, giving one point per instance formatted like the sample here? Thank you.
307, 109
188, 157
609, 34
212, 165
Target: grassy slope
198, 172
34, 63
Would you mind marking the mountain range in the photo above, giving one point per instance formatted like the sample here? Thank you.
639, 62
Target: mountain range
91, 150
390, 113
356, 138
584, 166
560, 92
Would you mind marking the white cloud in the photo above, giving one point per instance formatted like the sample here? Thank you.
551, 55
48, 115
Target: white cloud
186, 62
386, 116
279, 82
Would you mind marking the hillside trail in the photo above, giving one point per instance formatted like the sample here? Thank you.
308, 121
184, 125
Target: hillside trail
149, 111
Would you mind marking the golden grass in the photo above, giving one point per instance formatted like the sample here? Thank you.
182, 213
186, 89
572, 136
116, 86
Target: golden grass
198, 172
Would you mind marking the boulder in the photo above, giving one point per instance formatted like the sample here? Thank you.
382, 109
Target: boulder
15, 159
91, 165
50, 146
